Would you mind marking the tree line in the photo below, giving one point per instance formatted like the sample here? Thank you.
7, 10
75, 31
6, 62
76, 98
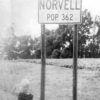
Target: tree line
59, 42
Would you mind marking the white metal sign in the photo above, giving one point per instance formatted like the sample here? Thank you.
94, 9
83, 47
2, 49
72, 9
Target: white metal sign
59, 11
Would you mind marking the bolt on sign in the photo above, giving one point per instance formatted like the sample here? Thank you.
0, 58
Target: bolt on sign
59, 11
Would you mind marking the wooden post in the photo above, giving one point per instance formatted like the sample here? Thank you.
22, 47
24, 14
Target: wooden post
75, 56
43, 61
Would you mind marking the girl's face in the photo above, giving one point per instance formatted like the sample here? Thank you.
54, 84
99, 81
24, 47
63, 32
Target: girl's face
25, 89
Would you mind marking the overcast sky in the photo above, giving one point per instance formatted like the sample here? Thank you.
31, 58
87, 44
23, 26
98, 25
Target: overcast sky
24, 15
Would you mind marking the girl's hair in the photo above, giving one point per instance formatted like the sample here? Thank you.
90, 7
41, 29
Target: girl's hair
22, 87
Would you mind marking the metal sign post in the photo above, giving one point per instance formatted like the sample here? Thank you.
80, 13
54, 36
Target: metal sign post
43, 61
75, 56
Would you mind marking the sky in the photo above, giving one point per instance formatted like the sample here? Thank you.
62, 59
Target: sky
24, 16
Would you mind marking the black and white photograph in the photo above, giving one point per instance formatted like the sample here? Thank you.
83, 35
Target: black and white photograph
49, 50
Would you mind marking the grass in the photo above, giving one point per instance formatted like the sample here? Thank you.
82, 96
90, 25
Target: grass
88, 63
58, 78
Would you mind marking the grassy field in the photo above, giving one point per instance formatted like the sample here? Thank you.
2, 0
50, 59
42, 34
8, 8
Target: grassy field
58, 78
92, 64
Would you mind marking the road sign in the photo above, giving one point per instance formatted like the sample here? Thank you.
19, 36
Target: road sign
59, 11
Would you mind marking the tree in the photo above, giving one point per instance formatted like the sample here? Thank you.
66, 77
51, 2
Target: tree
56, 53
10, 41
84, 32
19, 47
50, 37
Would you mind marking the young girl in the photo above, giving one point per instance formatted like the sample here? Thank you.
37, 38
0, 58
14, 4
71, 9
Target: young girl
22, 90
